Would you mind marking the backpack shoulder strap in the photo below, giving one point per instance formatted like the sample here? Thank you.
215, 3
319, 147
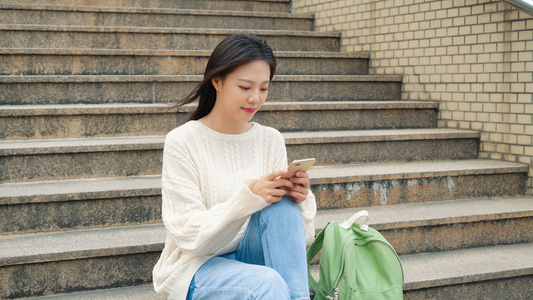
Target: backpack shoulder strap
311, 253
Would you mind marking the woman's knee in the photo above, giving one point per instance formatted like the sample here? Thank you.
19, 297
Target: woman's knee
273, 286
285, 208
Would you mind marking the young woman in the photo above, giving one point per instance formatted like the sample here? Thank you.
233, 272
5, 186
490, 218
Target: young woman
235, 229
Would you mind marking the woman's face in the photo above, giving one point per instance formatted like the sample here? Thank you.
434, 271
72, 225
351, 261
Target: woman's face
242, 92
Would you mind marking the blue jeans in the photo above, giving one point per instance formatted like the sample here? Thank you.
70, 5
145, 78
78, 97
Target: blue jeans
270, 262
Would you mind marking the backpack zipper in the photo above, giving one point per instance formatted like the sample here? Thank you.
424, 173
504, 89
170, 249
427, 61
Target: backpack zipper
336, 290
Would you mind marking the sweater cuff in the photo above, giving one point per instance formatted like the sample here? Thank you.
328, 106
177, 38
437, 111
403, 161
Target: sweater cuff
256, 199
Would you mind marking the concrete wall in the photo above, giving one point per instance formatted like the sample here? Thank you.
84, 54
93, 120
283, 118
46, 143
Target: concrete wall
475, 57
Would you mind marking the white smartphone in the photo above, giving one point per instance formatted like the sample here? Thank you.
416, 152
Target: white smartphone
299, 165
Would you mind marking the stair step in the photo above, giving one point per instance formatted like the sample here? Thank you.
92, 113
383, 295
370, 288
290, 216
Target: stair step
106, 37
371, 184
82, 203
88, 120
363, 146
150, 17
249, 5
458, 274
159, 62
92, 248
47, 159
95, 89
496, 272
447, 225
138, 292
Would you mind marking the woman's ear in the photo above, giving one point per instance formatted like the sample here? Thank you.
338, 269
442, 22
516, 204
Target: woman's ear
217, 83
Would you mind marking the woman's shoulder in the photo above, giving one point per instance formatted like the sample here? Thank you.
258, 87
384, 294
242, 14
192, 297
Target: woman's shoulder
269, 131
182, 133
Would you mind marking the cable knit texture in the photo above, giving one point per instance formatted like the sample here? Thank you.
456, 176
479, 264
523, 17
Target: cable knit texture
207, 200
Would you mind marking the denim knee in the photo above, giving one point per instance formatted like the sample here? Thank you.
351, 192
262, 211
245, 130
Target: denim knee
284, 209
273, 285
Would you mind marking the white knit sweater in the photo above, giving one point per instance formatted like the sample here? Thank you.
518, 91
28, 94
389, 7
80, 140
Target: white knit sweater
207, 200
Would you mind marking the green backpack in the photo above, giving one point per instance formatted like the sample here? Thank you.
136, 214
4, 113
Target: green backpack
356, 262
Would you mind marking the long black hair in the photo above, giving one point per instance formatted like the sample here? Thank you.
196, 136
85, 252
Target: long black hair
229, 54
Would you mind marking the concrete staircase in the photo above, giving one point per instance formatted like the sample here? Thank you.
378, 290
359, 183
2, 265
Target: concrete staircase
86, 89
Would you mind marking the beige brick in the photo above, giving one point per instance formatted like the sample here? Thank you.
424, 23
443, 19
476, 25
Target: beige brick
509, 157
528, 151
524, 119
525, 140
525, 160
496, 156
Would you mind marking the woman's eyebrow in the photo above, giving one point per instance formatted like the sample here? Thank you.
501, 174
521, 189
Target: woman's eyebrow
250, 81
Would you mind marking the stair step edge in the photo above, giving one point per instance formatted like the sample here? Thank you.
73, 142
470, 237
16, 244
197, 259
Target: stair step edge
79, 189
427, 270
164, 11
120, 240
132, 108
125, 29
184, 78
127, 143
186, 53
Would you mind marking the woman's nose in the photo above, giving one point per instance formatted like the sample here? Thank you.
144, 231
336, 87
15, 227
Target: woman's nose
254, 97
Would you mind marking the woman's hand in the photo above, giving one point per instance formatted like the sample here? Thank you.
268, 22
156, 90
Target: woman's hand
271, 187
301, 187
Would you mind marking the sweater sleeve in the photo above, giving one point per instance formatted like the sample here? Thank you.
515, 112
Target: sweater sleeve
307, 207
193, 227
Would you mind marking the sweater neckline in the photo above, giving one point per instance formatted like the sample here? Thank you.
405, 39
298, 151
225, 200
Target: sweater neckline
225, 136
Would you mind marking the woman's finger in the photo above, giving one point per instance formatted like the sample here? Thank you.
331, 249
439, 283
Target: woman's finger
276, 174
300, 181
301, 174
296, 197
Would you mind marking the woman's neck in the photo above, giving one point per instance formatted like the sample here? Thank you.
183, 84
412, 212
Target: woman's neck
223, 126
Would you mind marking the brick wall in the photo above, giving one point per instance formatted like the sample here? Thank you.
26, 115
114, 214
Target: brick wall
475, 57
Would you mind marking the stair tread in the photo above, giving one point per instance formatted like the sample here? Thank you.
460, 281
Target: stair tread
66, 190
116, 29
144, 52
467, 265
139, 292
67, 145
421, 271
76, 244
377, 135
410, 170
140, 10
128, 108
462, 266
183, 78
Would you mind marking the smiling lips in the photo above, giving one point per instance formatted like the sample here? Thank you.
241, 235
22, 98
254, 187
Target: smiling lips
249, 110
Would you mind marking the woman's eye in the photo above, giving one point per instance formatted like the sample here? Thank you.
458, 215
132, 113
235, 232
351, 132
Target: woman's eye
245, 88
264, 90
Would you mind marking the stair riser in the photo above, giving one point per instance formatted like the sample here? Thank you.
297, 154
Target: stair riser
165, 92
79, 214
387, 151
151, 40
446, 237
109, 161
76, 275
80, 165
438, 188
280, 6
51, 17
162, 65
76, 126
514, 287
160, 123
123, 270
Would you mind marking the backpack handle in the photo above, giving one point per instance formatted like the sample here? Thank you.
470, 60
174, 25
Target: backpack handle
362, 215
